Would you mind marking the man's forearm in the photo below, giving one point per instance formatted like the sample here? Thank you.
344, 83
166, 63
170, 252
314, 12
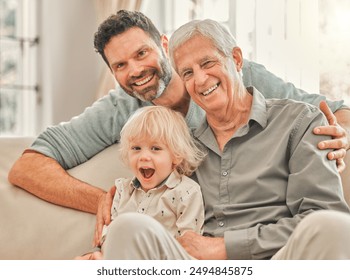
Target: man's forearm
343, 119
46, 179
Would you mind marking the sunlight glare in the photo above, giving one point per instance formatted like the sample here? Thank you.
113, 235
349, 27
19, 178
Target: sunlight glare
343, 20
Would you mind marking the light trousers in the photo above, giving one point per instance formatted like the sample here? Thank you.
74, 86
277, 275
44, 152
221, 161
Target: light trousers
321, 235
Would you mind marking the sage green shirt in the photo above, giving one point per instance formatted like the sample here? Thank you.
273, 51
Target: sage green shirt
267, 178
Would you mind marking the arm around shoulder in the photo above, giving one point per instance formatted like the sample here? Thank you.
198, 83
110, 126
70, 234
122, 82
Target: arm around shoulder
272, 86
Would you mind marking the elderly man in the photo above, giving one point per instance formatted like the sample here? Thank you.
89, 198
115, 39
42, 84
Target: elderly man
263, 174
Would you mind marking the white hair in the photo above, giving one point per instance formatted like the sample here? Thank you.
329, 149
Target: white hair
221, 37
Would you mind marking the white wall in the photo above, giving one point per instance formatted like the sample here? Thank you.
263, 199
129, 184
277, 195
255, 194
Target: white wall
153, 9
69, 67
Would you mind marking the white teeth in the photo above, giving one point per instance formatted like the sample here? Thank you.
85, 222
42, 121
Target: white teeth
145, 80
210, 90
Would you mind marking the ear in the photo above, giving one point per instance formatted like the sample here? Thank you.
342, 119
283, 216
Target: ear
237, 58
176, 161
165, 43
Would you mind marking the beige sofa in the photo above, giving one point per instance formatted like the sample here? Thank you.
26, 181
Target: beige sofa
34, 229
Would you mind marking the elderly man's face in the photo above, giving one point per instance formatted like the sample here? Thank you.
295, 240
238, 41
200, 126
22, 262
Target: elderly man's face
205, 73
140, 67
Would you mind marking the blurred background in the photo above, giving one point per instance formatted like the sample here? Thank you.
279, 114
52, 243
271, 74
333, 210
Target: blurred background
49, 71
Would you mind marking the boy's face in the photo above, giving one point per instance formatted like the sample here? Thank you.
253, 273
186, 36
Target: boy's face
140, 66
151, 162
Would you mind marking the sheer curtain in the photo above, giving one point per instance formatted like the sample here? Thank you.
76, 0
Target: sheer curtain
104, 9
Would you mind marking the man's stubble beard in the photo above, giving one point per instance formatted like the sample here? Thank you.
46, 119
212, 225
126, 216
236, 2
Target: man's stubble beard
164, 80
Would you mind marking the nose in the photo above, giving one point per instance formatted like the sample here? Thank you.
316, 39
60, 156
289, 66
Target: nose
200, 77
135, 68
145, 155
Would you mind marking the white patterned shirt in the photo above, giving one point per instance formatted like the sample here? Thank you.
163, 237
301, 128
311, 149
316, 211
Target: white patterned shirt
177, 203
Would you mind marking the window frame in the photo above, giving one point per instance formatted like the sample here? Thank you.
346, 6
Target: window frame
20, 95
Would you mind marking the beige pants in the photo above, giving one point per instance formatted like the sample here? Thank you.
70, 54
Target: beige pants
320, 235
134, 236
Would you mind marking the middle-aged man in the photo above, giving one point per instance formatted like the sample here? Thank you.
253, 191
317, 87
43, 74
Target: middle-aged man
262, 200
136, 53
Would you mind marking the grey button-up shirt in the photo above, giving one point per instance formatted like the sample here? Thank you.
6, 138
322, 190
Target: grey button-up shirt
267, 178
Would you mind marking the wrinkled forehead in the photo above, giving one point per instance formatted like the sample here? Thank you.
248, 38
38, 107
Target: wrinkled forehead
195, 49
134, 37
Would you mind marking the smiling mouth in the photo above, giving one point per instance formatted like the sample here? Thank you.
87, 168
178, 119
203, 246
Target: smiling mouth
210, 90
147, 172
144, 81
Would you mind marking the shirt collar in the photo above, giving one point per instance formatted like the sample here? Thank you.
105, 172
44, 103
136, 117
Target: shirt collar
170, 182
258, 112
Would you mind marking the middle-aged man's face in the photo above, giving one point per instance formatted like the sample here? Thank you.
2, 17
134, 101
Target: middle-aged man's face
205, 73
138, 64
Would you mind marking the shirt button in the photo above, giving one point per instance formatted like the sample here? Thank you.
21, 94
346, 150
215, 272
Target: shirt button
224, 173
221, 224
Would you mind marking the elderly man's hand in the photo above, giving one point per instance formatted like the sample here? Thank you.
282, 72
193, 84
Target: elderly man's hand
339, 143
203, 248
103, 216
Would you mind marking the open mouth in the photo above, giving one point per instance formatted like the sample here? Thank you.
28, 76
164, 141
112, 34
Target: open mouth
144, 81
147, 172
210, 90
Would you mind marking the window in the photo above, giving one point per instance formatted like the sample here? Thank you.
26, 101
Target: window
179, 12
281, 40
303, 42
334, 18
18, 67
283, 36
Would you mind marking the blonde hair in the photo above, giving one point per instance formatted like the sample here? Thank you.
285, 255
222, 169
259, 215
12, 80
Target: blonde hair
162, 124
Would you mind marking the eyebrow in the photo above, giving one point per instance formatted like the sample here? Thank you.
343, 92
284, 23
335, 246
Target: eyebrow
201, 60
207, 57
181, 71
133, 54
